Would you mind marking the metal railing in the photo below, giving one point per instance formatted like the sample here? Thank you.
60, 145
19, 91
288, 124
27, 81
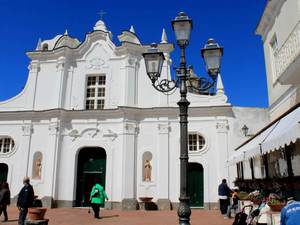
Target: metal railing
288, 51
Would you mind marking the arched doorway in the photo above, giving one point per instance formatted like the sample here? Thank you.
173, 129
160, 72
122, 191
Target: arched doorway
3, 172
91, 165
195, 184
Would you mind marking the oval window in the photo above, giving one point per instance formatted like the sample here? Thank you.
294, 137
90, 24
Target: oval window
7, 144
196, 142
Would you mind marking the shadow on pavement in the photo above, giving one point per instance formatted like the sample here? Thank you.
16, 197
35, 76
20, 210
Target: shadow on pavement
13, 220
111, 216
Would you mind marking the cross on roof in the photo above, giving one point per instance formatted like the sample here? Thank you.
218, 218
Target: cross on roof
101, 13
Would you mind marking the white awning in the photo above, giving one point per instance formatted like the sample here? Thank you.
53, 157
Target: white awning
287, 131
284, 131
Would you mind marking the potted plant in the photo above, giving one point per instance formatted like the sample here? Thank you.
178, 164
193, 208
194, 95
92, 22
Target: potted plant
36, 212
243, 195
275, 202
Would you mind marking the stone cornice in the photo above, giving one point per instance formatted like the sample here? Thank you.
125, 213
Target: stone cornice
120, 112
271, 11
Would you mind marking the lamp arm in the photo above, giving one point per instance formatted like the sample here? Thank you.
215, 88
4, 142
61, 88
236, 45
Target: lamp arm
164, 85
203, 84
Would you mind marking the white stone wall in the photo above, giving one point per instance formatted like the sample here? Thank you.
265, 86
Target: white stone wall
48, 116
279, 19
124, 143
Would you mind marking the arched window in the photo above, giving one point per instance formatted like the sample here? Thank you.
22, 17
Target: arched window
7, 144
196, 142
45, 47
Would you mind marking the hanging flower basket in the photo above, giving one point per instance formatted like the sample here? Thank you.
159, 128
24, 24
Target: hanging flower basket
36, 213
275, 202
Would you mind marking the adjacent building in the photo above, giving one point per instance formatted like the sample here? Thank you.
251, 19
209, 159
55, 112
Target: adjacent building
272, 156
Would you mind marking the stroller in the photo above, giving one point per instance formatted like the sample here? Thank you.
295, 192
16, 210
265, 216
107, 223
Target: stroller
242, 218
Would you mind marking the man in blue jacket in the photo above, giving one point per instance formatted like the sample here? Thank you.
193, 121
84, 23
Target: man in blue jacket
224, 193
290, 214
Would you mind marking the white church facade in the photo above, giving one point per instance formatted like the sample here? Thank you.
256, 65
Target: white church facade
88, 110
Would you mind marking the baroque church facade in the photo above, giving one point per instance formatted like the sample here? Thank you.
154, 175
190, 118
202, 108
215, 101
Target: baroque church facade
88, 110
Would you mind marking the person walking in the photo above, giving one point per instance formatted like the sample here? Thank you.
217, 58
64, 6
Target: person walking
224, 192
4, 200
97, 198
25, 200
290, 214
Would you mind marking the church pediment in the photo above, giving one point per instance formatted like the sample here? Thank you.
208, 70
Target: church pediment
80, 51
97, 55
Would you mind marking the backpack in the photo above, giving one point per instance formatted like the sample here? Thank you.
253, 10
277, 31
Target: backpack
240, 218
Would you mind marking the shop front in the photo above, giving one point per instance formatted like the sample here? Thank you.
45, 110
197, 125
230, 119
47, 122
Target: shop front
270, 160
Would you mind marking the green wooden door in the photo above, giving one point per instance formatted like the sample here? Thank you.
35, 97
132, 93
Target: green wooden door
3, 172
195, 184
91, 166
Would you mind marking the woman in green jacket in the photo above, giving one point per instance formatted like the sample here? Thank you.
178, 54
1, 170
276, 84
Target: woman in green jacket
97, 198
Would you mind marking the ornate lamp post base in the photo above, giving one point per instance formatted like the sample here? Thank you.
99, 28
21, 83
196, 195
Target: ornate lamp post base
184, 212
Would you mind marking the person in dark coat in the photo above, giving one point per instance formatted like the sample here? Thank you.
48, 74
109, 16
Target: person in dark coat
224, 192
25, 200
4, 200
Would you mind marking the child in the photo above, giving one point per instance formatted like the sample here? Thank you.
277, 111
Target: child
235, 201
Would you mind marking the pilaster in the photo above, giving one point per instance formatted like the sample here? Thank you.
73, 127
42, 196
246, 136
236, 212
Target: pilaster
222, 128
163, 201
129, 201
69, 88
61, 77
27, 129
54, 147
34, 69
131, 80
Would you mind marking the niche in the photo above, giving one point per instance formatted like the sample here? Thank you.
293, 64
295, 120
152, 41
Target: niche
37, 166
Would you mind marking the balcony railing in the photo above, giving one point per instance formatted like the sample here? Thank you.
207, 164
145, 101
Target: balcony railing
288, 52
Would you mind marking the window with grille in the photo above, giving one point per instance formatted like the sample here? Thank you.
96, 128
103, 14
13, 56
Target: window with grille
196, 142
274, 49
6, 145
95, 92
274, 43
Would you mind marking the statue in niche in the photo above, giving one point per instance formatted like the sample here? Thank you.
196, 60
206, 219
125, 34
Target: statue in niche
147, 171
38, 169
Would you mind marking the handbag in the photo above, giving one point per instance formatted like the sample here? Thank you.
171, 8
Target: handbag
95, 194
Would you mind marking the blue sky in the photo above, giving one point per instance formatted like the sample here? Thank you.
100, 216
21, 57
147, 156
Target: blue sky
232, 23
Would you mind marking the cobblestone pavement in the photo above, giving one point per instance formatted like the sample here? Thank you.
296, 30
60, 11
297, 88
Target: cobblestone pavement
77, 216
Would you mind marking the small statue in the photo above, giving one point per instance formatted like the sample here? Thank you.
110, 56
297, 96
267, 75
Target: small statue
38, 168
147, 171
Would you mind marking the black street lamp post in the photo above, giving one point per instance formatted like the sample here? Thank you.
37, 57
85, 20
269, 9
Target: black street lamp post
212, 53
